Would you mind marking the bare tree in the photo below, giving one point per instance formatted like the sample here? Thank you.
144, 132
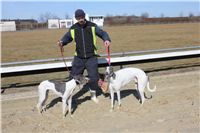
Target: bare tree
145, 15
109, 15
125, 14
191, 15
181, 14
46, 16
41, 18
67, 16
162, 15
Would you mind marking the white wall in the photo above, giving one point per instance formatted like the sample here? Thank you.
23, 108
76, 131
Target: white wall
97, 20
8, 26
53, 24
65, 23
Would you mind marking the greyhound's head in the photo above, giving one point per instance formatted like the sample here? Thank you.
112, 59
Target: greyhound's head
81, 80
109, 73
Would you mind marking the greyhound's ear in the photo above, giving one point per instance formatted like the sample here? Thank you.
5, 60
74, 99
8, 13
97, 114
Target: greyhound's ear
87, 79
77, 78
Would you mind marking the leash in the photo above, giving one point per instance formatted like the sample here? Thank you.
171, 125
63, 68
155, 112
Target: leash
109, 65
62, 54
108, 52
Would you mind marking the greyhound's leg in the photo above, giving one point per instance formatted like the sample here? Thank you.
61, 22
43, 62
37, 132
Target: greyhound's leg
141, 92
39, 108
64, 106
112, 99
119, 98
70, 105
42, 98
138, 86
142, 96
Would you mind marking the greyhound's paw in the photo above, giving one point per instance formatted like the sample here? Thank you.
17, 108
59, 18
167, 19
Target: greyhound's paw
39, 110
44, 109
141, 103
72, 116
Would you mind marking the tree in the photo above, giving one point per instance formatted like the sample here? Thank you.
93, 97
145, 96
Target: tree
46, 16
145, 15
181, 14
191, 15
67, 16
162, 15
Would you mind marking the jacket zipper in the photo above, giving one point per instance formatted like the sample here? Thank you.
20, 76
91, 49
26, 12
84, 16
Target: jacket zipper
83, 43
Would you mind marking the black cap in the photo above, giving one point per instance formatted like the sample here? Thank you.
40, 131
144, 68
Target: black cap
79, 13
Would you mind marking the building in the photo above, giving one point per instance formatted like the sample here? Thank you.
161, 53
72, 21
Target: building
99, 20
62, 23
7, 26
53, 24
65, 23
25, 24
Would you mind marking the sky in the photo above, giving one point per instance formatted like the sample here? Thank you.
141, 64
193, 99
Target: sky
15, 9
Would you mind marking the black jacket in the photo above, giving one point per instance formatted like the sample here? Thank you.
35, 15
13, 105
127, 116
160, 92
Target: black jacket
85, 38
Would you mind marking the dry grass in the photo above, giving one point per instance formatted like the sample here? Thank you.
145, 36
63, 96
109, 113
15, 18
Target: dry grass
41, 44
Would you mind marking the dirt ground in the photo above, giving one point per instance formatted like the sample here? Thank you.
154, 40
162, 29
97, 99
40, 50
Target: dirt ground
174, 107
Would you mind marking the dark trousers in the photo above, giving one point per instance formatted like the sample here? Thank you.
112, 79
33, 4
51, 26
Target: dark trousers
91, 65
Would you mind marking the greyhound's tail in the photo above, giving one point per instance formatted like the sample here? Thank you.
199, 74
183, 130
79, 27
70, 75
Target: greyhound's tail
151, 90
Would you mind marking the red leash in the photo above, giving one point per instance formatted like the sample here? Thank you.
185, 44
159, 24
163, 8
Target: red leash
105, 85
108, 52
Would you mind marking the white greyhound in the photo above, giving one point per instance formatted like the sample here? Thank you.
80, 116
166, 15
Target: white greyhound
62, 89
122, 77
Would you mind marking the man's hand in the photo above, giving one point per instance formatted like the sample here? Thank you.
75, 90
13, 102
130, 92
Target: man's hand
61, 46
60, 43
107, 43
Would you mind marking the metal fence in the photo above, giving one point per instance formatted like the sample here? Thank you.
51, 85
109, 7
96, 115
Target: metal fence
120, 54
121, 59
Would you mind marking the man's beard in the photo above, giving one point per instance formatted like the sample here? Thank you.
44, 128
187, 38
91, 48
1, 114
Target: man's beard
82, 22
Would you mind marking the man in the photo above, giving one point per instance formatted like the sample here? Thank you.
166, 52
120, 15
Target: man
84, 34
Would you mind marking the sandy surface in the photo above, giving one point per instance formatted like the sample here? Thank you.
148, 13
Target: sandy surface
173, 108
